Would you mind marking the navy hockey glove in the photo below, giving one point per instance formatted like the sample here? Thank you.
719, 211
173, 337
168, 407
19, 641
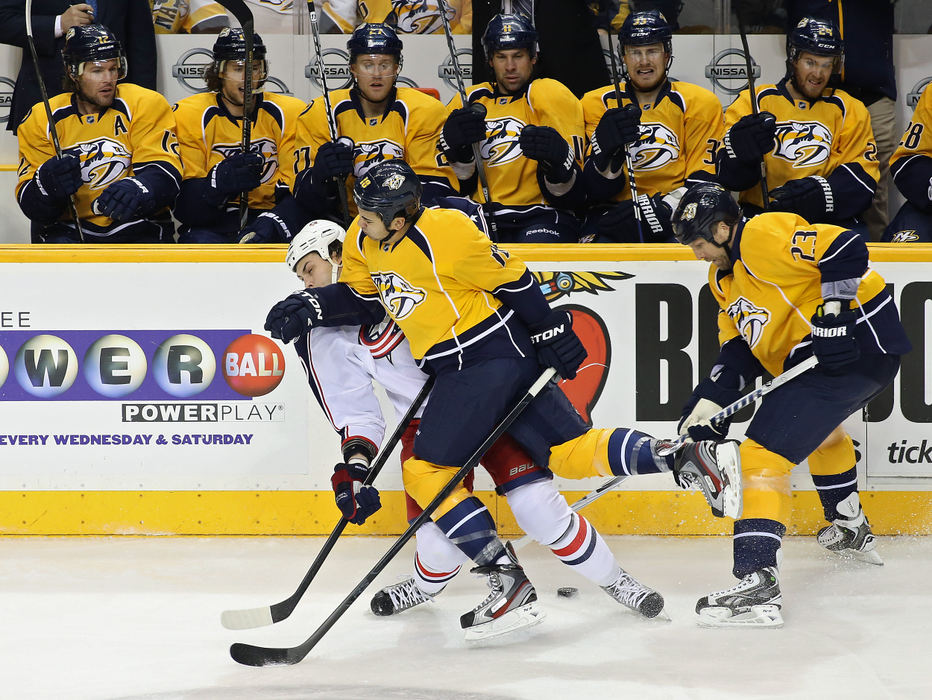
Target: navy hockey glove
266, 228
59, 178
833, 341
125, 199
751, 136
334, 159
356, 500
617, 128
557, 344
810, 197
463, 128
241, 172
294, 315
545, 145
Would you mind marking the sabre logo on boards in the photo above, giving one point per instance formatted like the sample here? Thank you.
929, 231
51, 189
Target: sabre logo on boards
93, 365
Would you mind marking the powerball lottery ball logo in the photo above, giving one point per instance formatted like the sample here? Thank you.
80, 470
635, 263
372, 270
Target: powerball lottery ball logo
253, 365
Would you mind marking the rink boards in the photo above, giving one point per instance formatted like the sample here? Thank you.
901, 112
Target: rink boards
140, 395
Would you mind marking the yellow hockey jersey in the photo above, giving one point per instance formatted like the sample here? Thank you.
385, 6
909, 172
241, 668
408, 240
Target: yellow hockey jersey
187, 16
408, 129
208, 133
511, 176
773, 290
911, 164
137, 128
812, 138
435, 282
408, 17
679, 134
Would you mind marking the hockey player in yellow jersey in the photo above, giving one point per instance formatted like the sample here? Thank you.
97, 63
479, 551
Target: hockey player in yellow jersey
406, 16
911, 167
787, 290
375, 121
119, 162
816, 141
670, 128
530, 135
210, 135
476, 320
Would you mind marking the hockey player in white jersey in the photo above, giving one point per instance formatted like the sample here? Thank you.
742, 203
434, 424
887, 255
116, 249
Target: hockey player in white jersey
341, 364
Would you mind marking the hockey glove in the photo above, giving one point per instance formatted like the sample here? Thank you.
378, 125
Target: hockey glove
656, 215
294, 315
545, 145
751, 137
334, 159
557, 344
264, 229
833, 341
241, 172
463, 128
356, 500
617, 128
125, 199
809, 197
59, 178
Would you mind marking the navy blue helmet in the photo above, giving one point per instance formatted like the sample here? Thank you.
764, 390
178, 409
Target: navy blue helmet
509, 32
647, 27
390, 189
818, 37
91, 42
703, 206
374, 38
231, 45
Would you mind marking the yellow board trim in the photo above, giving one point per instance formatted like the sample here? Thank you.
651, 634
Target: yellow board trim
314, 513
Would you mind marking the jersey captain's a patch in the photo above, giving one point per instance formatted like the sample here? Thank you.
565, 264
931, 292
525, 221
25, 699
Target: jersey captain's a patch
804, 144
749, 319
398, 296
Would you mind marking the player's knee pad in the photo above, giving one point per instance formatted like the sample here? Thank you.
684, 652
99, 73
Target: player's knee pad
586, 455
540, 511
424, 480
765, 476
834, 456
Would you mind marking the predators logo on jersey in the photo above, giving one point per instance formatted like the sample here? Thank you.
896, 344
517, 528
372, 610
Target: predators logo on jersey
905, 236
748, 319
803, 144
398, 295
103, 161
368, 153
656, 147
501, 141
267, 148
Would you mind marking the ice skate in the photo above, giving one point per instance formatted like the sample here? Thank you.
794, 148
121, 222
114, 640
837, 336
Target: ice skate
510, 605
628, 591
715, 469
754, 602
851, 536
399, 597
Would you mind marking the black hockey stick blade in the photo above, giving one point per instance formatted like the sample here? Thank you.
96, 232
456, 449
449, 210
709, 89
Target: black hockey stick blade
250, 655
240, 11
270, 614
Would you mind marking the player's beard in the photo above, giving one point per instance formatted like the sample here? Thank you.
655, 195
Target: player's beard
101, 102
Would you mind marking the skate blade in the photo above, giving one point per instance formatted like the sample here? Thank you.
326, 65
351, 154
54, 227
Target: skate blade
762, 616
728, 457
519, 618
869, 557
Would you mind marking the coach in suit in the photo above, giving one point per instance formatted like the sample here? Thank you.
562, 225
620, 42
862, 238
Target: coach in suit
130, 20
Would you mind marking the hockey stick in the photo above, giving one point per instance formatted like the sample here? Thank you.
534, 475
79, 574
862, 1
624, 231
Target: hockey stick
746, 400
755, 110
638, 214
476, 151
250, 655
331, 122
243, 15
270, 614
53, 129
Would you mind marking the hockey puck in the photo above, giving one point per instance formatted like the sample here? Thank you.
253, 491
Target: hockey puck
567, 592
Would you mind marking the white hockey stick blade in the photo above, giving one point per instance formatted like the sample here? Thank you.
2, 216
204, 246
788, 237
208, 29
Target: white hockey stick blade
728, 457
760, 616
246, 619
526, 616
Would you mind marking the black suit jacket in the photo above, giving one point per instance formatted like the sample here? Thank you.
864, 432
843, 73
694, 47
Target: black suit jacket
130, 20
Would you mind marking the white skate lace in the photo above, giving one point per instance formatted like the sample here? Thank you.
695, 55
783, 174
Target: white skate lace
495, 583
406, 595
628, 591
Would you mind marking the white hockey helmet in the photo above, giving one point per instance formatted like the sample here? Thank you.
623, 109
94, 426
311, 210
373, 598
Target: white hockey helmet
316, 237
